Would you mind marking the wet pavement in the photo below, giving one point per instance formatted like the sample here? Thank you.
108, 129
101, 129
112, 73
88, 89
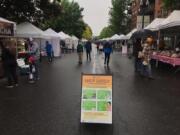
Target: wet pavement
52, 105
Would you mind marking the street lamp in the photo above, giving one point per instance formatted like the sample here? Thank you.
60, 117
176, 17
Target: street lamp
143, 5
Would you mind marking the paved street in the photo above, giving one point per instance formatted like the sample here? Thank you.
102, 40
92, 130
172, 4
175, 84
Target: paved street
52, 105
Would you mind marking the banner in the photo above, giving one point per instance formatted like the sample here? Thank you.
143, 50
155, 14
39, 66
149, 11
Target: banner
6, 29
96, 99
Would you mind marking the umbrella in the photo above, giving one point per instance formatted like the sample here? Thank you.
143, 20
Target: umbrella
143, 34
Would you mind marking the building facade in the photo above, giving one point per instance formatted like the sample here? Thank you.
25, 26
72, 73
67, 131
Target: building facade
154, 10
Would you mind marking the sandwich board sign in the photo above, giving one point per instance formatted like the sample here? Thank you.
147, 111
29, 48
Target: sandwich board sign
96, 99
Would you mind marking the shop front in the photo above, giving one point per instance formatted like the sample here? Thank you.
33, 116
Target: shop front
6, 32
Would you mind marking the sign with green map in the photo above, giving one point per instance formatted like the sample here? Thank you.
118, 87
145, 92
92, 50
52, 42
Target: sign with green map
96, 100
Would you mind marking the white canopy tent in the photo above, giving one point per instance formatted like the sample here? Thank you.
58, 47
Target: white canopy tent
171, 21
6, 21
54, 40
26, 30
123, 37
115, 37
75, 41
67, 39
154, 25
130, 33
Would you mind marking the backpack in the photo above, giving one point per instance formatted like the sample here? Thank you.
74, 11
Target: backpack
79, 48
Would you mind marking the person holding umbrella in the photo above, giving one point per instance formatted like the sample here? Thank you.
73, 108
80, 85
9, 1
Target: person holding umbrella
137, 48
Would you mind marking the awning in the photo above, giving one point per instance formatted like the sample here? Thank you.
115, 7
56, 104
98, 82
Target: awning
27, 30
154, 25
171, 21
7, 27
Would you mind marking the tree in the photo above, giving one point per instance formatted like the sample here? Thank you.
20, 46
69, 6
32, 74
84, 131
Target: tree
118, 18
106, 32
70, 20
172, 4
87, 34
61, 15
19, 10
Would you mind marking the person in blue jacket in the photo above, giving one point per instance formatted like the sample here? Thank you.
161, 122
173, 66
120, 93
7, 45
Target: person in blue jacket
107, 51
88, 47
49, 51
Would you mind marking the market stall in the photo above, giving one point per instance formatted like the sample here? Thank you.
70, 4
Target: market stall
54, 40
168, 50
67, 39
6, 33
75, 41
25, 31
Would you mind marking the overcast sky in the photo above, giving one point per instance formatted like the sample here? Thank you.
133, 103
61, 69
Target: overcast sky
96, 13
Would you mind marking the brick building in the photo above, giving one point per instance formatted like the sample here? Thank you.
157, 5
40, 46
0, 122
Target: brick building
154, 10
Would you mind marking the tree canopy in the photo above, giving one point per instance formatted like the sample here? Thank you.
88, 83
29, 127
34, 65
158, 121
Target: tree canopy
106, 32
118, 19
61, 15
171, 4
87, 34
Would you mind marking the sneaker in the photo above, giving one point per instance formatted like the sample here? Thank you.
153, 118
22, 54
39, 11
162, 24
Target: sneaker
9, 86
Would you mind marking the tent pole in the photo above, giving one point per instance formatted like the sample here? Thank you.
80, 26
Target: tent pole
158, 41
175, 40
40, 51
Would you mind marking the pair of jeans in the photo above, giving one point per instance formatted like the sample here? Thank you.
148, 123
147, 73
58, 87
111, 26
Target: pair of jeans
107, 58
146, 70
36, 66
49, 55
80, 55
88, 54
138, 64
11, 73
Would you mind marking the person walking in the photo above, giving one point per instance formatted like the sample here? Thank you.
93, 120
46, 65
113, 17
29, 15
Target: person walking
88, 47
97, 47
35, 53
80, 52
107, 52
49, 51
9, 64
146, 65
137, 48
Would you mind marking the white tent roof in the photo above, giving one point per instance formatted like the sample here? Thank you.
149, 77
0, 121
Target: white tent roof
172, 20
50, 32
5, 20
74, 38
123, 37
115, 37
130, 33
154, 25
84, 40
27, 30
64, 35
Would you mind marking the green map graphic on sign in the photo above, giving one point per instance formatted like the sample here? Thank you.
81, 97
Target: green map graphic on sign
102, 106
89, 105
104, 94
89, 94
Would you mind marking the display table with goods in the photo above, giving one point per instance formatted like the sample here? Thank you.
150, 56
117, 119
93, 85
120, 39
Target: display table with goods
169, 57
